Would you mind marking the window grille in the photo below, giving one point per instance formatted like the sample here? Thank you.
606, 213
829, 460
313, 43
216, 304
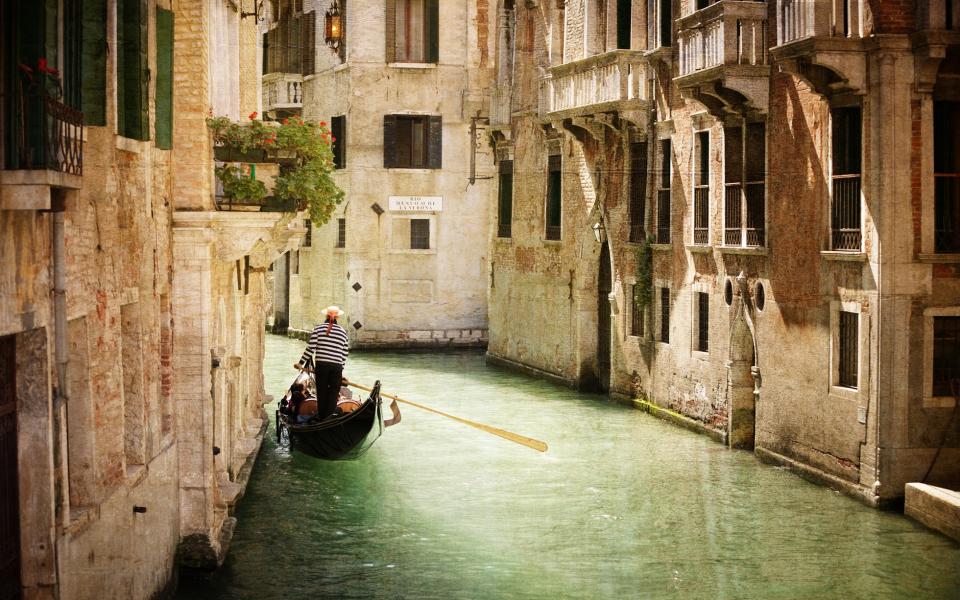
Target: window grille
946, 355
703, 321
744, 196
419, 234
308, 236
701, 191
554, 197
663, 194
638, 190
849, 350
665, 315
505, 200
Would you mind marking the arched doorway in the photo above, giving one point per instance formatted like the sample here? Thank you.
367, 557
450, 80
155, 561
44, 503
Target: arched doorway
604, 287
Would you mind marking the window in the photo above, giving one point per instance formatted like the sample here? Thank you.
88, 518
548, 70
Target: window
665, 315
946, 356
636, 312
554, 197
412, 142
638, 190
624, 19
308, 236
132, 70
701, 190
338, 129
666, 22
505, 200
290, 46
294, 262
412, 31
341, 233
308, 43
849, 349
663, 194
702, 322
419, 234
744, 199
845, 213
946, 172
164, 85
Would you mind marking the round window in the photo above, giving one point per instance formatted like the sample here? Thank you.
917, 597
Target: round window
728, 292
761, 296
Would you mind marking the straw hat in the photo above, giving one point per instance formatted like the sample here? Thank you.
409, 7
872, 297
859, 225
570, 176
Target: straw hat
333, 310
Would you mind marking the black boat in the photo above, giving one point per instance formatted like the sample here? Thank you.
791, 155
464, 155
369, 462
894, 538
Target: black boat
340, 437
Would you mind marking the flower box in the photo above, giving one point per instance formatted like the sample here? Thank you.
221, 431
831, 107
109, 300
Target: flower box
233, 154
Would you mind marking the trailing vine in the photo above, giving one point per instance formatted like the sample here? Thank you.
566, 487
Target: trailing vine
643, 290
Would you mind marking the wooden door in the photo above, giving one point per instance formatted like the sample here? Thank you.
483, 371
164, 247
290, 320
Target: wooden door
9, 497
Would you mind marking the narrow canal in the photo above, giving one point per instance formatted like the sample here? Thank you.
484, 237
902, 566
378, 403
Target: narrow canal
621, 506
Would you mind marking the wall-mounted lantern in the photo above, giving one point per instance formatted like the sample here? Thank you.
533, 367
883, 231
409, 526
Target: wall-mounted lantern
333, 26
257, 13
599, 232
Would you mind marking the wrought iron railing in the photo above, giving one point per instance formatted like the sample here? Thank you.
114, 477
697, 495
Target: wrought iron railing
49, 133
663, 216
946, 237
701, 214
845, 223
740, 200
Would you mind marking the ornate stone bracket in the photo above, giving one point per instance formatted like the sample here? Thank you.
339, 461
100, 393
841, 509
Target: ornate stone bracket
927, 60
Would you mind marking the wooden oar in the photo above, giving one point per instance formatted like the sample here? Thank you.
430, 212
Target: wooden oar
507, 435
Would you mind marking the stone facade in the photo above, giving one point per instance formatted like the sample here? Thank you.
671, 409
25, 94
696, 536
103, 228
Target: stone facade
137, 402
794, 281
434, 294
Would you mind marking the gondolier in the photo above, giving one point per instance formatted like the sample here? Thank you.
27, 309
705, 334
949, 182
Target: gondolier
327, 350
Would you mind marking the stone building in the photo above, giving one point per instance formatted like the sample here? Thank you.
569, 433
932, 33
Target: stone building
406, 253
744, 212
131, 309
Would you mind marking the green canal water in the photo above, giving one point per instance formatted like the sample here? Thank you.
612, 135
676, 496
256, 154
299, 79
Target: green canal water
621, 506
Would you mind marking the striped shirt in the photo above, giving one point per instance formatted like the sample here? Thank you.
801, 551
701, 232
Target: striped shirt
332, 348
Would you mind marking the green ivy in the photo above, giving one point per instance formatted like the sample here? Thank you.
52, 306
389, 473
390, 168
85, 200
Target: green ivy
643, 290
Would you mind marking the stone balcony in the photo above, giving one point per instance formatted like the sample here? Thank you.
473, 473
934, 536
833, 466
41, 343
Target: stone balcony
723, 57
615, 81
282, 93
822, 41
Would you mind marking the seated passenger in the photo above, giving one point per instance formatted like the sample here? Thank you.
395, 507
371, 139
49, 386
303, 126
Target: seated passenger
301, 407
345, 402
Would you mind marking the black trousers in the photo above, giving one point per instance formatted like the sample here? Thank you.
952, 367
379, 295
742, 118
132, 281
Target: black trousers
328, 376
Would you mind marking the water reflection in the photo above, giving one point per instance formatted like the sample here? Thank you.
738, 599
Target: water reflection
622, 506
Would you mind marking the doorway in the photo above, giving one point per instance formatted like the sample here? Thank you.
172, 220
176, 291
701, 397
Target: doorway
604, 287
9, 497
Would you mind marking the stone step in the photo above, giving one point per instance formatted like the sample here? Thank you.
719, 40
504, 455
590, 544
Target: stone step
937, 508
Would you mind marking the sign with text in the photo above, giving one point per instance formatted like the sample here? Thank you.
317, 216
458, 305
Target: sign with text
416, 203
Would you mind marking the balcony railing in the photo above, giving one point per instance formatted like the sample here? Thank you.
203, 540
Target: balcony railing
701, 214
725, 33
946, 236
845, 222
800, 19
500, 106
49, 134
584, 85
740, 200
282, 91
663, 216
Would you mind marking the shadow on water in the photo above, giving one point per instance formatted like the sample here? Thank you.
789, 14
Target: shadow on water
621, 506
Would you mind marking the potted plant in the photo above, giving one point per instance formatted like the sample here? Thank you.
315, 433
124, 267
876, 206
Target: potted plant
239, 187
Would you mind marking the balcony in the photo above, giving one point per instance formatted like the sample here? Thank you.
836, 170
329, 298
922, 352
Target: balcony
938, 26
822, 41
283, 92
723, 57
611, 82
46, 150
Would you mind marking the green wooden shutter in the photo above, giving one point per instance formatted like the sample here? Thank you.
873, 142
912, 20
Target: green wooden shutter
433, 30
435, 143
93, 64
308, 43
164, 124
389, 141
390, 23
132, 70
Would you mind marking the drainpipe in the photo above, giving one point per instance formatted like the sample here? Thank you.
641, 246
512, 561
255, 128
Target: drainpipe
60, 304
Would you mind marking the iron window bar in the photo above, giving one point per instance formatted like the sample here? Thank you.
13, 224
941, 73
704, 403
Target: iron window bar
845, 223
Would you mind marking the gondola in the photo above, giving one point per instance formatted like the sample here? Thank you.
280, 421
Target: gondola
343, 437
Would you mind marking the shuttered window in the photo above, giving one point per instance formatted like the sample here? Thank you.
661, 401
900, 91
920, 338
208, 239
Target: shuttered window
338, 129
132, 69
412, 142
665, 315
308, 43
638, 190
412, 28
505, 200
164, 89
554, 208
93, 64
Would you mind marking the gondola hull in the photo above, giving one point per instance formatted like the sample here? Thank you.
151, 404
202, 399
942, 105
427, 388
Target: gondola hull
339, 438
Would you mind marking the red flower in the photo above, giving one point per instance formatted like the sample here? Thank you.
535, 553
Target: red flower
253, 115
323, 123
42, 65
333, 139
286, 121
